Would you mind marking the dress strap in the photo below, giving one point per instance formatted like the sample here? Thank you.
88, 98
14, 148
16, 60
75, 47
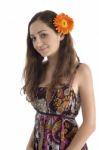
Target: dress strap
73, 75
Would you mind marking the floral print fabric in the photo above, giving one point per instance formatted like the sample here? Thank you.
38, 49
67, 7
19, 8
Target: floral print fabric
55, 124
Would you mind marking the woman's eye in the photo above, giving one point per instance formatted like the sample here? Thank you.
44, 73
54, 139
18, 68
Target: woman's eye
43, 35
33, 39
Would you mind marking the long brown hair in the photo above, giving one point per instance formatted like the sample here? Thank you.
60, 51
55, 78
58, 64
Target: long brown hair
35, 67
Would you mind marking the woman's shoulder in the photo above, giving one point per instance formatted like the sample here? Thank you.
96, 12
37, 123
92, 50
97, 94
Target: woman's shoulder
84, 72
84, 68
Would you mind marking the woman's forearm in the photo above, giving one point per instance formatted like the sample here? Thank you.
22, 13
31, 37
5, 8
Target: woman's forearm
81, 137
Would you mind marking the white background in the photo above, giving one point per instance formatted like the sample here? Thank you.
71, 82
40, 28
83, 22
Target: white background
16, 114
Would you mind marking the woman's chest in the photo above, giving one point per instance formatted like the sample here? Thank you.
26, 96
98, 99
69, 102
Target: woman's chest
62, 100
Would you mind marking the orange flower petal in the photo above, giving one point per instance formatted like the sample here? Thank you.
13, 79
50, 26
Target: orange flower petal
63, 23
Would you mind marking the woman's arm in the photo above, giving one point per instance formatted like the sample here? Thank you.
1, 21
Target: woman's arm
88, 108
30, 142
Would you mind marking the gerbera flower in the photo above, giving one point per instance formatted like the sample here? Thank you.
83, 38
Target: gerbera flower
63, 23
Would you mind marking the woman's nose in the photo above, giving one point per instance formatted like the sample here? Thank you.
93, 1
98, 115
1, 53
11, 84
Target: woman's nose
38, 43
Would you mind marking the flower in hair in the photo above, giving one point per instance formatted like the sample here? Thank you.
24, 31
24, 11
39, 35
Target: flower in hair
63, 23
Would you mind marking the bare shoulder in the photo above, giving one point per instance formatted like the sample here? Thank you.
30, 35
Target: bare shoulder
84, 68
84, 73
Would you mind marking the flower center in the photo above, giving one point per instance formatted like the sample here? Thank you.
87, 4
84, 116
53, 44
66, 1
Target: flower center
64, 23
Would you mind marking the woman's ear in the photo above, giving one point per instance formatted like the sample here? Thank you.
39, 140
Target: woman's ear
61, 36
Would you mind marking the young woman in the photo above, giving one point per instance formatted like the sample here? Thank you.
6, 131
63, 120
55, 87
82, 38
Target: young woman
58, 86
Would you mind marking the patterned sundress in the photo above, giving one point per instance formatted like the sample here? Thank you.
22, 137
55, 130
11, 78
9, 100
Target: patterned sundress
55, 124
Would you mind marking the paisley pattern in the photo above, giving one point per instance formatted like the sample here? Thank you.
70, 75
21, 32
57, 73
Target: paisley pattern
55, 124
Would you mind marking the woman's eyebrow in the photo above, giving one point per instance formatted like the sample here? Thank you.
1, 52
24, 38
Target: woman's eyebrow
32, 35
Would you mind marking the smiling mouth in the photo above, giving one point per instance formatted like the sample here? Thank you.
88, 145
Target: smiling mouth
43, 49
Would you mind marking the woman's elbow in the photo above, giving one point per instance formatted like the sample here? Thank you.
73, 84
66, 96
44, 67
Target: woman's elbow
91, 126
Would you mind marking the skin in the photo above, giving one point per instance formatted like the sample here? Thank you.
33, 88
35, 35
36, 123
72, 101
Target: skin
45, 41
47, 45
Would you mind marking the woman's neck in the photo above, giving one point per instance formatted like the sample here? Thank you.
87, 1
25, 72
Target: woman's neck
52, 61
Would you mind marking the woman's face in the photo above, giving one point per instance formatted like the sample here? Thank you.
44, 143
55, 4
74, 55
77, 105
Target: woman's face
45, 41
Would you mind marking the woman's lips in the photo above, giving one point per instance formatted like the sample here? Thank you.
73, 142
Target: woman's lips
43, 49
